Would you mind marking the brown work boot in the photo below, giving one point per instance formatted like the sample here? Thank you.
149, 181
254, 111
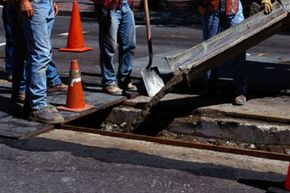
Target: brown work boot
112, 89
47, 114
58, 88
240, 100
9, 78
21, 98
131, 87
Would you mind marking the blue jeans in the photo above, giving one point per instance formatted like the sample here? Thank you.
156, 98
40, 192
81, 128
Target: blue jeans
52, 77
40, 66
116, 28
8, 22
18, 50
213, 24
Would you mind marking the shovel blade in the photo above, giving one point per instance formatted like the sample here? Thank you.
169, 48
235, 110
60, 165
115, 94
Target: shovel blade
152, 81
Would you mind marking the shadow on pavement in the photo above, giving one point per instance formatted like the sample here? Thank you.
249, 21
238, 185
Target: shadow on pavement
118, 156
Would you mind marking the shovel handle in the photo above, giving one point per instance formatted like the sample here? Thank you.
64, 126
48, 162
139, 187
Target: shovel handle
148, 32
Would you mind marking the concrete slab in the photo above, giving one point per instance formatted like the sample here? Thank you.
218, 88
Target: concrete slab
127, 113
260, 121
275, 109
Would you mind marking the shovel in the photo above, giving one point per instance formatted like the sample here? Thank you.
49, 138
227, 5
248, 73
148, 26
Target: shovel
150, 75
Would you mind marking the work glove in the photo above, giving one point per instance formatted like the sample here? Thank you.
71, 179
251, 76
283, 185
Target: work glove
267, 6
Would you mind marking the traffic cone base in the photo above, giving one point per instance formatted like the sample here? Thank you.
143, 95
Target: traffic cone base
75, 99
64, 108
75, 49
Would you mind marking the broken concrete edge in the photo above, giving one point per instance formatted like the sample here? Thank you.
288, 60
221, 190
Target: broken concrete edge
212, 128
120, 117
238, 130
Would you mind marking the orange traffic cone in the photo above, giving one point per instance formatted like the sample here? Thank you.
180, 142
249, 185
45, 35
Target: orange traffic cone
75, 98
287, 182
75, 42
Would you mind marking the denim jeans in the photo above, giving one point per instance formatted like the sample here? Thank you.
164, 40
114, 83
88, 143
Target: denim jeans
40, 66
8, 21
52, 77
116, 28
213, 24
18, 50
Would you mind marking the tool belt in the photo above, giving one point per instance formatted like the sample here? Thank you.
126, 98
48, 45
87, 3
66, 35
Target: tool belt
208, 6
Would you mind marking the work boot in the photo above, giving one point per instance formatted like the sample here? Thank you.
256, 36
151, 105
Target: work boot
58, 88
240, 100
9, 77
18, 98
21, 98
113, 90
47, 114
131, 87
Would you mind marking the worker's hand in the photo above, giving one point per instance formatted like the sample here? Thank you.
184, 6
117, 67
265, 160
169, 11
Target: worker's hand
267, 6
55, 7
26, 8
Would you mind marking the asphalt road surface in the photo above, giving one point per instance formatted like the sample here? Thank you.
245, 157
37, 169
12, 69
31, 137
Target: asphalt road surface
77, 163
48, 165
